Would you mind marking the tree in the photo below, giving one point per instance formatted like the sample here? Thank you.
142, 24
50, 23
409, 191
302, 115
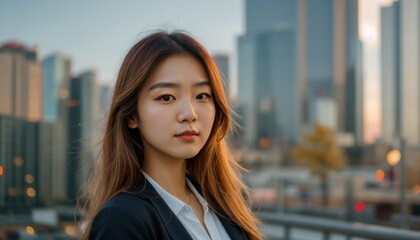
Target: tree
322, 154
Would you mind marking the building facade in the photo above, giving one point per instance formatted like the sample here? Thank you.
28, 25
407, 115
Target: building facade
21, 83
222, 62
400, 75
20, 114
84, 120
19, 158
312, 44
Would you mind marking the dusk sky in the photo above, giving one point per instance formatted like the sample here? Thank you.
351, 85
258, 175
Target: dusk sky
97, 33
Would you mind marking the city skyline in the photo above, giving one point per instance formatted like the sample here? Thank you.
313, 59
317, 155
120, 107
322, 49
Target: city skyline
93, 36
98, 38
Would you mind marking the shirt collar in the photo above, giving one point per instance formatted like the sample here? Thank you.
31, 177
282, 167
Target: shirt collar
173, 202
202, 201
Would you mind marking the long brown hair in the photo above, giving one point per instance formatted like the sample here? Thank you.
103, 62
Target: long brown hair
119, 166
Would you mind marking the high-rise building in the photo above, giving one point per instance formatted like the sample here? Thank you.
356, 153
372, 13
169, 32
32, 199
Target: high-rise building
106, 97
267, 15
333, 62
56, 79
20, 113
269, 91
317, 56
56, 83
400, 62
410, 71
348, 77
222, 61
84, 117
52, 165
20, 82
268, 88
19, 157
390, 73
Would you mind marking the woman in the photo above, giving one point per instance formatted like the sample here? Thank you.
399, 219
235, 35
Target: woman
165, 170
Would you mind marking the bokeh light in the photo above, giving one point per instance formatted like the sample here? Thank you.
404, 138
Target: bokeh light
30, 192
29, 178
70, 230
18, 161
379, 175
30, 230
359, 207
416, 189
393, 157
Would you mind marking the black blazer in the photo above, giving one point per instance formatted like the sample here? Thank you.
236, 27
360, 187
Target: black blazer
143, 214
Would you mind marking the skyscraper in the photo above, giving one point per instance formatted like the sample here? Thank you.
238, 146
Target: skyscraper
390, 73
84, 117
20, 111
53, 165
333, 62
410, 71
105, 99
20, 82
400, 62
56, 80
269, 91
315, 55
19, 157
222, 61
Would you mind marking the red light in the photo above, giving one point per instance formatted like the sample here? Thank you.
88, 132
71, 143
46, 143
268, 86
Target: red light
359, 207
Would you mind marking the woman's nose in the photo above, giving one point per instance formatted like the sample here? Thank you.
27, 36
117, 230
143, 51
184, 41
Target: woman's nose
187, 111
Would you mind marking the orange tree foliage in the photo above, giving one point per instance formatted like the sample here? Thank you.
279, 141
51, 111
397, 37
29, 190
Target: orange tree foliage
320, 151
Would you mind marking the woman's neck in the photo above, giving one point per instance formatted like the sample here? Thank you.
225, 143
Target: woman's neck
170, 175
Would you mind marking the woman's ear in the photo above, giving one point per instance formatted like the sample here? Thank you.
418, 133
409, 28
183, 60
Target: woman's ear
132, 124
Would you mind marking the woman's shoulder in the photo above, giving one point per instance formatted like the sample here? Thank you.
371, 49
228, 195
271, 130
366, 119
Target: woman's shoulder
125, 214
131, 203
122, 198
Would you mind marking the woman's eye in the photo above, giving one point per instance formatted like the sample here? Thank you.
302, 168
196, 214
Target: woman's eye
166, 98
203, 96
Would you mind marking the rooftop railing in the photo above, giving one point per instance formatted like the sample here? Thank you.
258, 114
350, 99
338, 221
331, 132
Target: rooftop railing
327, 227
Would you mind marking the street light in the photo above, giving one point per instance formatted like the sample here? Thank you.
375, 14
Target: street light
393, 158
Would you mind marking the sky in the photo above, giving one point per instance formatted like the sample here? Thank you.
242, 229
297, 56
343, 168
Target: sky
96, 34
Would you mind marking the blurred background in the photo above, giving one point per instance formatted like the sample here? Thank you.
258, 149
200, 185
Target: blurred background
327, 91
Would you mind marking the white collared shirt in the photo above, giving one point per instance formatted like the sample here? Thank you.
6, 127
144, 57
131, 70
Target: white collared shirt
186, 215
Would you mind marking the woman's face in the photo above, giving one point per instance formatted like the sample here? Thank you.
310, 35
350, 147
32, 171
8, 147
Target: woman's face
176, 110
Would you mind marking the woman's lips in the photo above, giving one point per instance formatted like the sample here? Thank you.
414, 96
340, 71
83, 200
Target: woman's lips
189, 135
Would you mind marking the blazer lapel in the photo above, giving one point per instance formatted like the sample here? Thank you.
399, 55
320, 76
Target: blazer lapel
172, 224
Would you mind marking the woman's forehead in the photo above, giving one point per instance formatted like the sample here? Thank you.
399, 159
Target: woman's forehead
178, 70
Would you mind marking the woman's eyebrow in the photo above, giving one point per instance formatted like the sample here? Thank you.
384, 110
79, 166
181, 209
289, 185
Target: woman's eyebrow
164, 85
175, 85
203, 83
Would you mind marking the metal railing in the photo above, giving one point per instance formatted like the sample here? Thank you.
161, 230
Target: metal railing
328, 227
